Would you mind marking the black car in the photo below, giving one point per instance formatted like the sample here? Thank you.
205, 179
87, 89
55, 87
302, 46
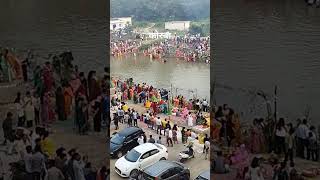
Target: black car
168, 170
124, 141
204, 175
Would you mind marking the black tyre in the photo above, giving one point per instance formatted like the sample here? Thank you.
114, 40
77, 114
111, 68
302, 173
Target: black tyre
134, 174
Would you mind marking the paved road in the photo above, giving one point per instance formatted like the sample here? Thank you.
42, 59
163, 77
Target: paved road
196, 165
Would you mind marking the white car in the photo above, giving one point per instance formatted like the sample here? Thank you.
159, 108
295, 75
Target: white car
139, 158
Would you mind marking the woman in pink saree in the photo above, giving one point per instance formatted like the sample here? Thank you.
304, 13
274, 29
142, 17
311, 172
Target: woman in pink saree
185, 113
240, 155
75, 83
255, 145
125, 96
47, 110
48, 77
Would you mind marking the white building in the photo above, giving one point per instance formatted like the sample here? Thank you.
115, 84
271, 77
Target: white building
120, 23
177, 25
157, 35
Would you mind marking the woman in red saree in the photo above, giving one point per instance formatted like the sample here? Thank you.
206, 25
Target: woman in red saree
131, 94
154, 107
93, 85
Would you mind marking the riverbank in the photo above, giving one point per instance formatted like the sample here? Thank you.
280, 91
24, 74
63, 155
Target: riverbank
180, 121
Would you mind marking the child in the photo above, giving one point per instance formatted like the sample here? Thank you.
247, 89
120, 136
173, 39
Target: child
219, 165
255, 170
312, 147
293, 173
291, 145
281, 172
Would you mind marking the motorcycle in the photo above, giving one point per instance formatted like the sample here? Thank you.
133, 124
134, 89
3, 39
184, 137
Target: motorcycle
17, 171
185, 155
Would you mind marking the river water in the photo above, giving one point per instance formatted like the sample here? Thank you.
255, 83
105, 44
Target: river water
186, 78
260, 44
56, 25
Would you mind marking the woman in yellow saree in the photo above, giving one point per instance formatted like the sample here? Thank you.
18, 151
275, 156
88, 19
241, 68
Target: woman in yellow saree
68, 96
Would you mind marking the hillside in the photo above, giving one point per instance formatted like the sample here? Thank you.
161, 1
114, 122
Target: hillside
159, 10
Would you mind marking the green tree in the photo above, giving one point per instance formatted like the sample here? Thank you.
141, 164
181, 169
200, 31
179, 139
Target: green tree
159, 10
194, 29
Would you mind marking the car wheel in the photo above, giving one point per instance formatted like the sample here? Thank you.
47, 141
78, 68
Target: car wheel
119, 154
163, 158
134, 174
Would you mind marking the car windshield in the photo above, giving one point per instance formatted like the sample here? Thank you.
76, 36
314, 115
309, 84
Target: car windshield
132, 156
158, 146
117, 139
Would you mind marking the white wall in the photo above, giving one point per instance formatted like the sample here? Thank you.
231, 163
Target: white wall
181, 26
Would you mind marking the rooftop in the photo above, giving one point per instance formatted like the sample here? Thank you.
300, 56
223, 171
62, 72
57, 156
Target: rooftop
178, 21
129, 130
145, 147
159, 167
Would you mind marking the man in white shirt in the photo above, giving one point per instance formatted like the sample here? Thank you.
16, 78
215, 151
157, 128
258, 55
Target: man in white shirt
302, 134
204, 105
169, 137
190, 120
35, 135
120, 115
53, 172
78, 168
140, 140
159, 125
38, 163
28, 162
134, 117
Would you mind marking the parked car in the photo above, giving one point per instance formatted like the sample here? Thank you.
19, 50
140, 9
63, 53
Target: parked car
166, 170
139, 158
124, 141
205, 175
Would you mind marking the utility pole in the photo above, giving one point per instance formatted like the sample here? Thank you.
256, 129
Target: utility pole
275, 103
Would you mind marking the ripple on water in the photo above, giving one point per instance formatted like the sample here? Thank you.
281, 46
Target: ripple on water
260, 44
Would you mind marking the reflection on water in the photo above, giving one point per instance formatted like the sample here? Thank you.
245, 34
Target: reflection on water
56, 25
260, 44
190, 78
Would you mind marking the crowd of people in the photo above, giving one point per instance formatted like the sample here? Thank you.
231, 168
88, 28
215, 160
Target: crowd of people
39, 159
155, 114
188, 48
123, 48
159, 101
281, 141
52, 96
56, 91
